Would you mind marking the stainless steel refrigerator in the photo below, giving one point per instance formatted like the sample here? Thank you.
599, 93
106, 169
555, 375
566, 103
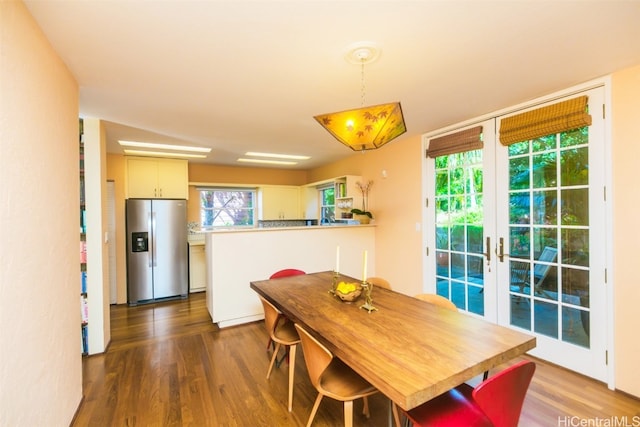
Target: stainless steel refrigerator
157, 266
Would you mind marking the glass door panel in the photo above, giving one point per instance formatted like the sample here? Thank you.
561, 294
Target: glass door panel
551, 189
549, 210
458, 271
459, 229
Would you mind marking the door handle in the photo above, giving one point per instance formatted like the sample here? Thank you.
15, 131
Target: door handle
488, 253
154, 262
151, 239
500, 250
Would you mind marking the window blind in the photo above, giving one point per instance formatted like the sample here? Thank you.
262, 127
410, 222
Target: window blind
465, 140
559, 117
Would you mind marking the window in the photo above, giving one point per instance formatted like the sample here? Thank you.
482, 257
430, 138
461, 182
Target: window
327, 204
227, 207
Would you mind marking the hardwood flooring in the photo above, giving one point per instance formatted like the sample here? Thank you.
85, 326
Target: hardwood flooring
168, 365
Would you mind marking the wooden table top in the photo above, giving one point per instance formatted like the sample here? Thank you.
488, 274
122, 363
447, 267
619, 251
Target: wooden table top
409, 349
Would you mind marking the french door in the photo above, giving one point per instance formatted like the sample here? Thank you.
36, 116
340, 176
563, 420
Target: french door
519, 236
460, 225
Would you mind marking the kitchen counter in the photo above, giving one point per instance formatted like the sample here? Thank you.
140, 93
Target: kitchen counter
237, 257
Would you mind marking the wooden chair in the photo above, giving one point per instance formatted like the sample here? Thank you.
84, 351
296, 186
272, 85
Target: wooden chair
283, 333
438, 300
495, 402
379, 282
287, 272
521, 272
332, 378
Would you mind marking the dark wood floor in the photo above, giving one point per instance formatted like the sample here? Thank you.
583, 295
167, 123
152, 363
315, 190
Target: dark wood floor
168, 365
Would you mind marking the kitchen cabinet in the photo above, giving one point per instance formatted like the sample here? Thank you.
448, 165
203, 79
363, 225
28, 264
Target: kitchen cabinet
279, 202
197, 267
150, 178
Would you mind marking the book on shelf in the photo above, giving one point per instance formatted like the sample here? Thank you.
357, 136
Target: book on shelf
85, 339
83, 221
84, 309
83, 282
83, 252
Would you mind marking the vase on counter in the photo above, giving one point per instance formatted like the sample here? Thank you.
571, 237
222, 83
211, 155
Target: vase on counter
363, 219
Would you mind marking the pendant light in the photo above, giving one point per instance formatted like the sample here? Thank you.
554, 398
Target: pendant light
365, 128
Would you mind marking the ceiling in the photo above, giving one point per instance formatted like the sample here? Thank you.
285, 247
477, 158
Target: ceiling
241, 76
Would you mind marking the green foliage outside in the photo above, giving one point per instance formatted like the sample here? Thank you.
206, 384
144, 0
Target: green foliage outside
535, 167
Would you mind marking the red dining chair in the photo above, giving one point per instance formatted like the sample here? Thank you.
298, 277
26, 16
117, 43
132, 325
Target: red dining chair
496, 402
287, 272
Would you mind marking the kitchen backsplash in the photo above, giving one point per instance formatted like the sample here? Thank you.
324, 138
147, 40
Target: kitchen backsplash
286, 223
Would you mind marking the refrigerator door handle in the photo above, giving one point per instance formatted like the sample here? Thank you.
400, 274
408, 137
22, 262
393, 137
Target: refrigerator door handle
152, 227
151, 239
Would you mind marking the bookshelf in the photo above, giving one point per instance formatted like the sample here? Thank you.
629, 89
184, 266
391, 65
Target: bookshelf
84, 310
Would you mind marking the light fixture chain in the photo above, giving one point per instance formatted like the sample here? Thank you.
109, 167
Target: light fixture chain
362, 81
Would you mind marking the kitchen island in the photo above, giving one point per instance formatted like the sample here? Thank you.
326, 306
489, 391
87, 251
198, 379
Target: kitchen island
239, 256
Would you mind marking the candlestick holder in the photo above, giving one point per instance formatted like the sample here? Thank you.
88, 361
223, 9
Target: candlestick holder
334, 283
368, 301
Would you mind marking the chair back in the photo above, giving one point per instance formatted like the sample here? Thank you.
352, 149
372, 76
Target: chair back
316, 356
379, 282
271, 315
501, 396
540, 271
286, 273
437, 300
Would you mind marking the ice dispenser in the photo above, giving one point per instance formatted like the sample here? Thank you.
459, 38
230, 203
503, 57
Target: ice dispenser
140, 242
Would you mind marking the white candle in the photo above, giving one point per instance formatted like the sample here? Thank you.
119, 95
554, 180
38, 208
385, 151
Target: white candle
364, 266
337, 259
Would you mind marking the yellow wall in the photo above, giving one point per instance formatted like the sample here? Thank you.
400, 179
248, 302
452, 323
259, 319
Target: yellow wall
395, 202
40, 361
243, 175
626, 193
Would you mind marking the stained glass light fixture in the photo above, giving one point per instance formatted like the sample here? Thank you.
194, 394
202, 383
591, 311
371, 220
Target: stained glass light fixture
365, 128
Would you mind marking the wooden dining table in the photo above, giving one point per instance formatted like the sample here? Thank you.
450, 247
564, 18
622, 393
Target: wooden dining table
410, 350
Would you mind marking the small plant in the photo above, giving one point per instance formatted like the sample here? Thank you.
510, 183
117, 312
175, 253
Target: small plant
364, 188
361, 212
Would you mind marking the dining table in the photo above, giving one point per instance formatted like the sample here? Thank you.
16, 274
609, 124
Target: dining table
410, 350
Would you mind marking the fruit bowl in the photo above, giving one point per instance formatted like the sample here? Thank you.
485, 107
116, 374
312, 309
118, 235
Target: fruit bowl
348, 292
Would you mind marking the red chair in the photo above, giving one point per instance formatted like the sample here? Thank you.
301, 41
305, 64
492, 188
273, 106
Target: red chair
496, 402
287, 272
